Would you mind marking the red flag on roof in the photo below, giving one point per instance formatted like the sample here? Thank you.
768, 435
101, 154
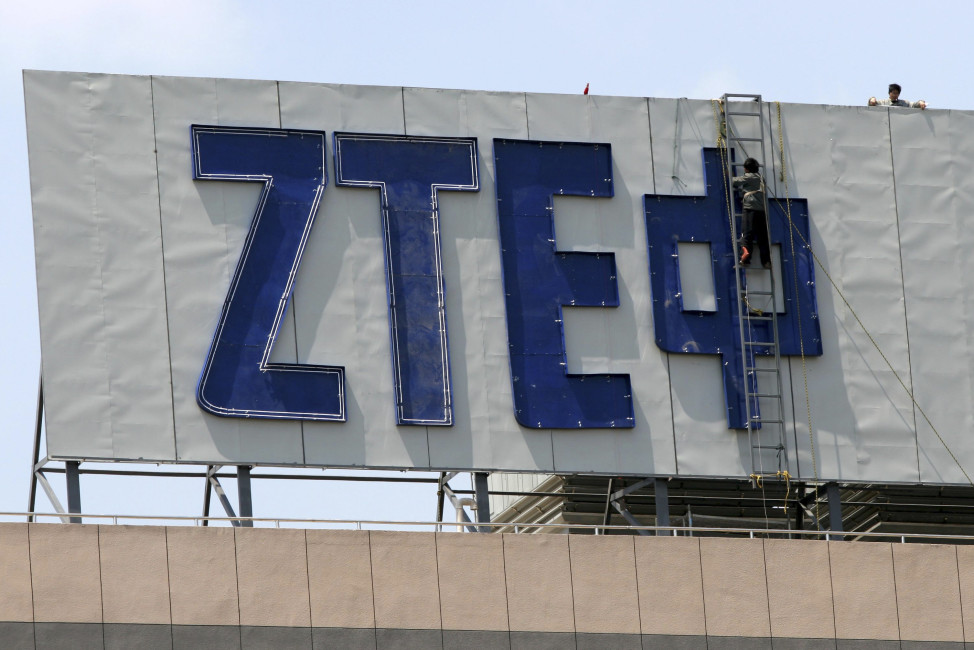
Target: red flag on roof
585, 92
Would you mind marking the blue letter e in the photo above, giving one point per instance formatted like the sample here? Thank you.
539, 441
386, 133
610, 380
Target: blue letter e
539, 281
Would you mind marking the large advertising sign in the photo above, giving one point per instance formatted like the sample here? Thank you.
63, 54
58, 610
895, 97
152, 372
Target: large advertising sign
279, 273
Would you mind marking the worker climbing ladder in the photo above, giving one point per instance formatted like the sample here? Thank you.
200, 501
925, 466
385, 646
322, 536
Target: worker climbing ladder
742, 133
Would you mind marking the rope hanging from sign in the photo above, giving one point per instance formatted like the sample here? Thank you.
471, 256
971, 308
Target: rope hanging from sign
801, 339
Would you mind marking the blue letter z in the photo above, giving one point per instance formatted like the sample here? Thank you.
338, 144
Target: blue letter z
238, 380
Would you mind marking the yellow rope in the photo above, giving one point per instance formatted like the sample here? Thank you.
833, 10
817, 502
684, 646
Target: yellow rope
801, 338
787, 476
722, 149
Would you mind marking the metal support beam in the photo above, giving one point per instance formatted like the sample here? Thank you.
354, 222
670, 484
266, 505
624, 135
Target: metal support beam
809, 504
632, 488
52, 496
73, 481
620, 505
244, 496
440, 498
461, 513
483, 500
662, 506
221, 495
835, 508
38, 420
207, 491
618, 500
799, 511
607, 515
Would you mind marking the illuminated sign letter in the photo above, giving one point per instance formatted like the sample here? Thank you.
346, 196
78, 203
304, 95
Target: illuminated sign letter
409, 171
674, 219
237, 378
539, 281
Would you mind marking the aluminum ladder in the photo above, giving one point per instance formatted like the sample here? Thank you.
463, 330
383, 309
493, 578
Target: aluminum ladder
743, 131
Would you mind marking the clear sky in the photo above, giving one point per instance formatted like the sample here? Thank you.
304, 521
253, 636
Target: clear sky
825, 52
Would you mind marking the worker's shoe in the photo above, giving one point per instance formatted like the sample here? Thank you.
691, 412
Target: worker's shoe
767, 265
745, 256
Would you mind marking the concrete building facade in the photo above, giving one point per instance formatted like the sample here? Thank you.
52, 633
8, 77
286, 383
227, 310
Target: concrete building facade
107, 586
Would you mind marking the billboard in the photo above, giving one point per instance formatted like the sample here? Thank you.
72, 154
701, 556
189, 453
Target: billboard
236, 271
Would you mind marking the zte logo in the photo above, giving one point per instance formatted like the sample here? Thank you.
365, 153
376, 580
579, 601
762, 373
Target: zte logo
238, 380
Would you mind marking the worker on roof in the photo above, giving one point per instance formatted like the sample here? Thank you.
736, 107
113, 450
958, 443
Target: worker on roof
894, 99
754, 221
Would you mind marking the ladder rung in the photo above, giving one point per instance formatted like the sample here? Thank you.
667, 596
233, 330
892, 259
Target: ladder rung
766, 344
757, 293
756, 369
755, 114
763, 395
752, 317
735, 138
763, 421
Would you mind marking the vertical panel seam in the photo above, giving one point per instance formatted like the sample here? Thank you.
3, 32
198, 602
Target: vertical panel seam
30, 572
703, 591
960, 595
635, 568
375, 623
896, 596
906, 317
507, 601
791, 383
402, 103
307, 574
669, 382
767, 586
236, 575
828, 553
165, 537
162, 253
439, 594
280, 122
652, 156
571, 586
101, 583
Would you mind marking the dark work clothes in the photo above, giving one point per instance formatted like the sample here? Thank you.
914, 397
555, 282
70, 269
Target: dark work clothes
754, 224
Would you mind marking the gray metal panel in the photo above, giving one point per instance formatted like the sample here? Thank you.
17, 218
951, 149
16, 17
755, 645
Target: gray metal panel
204, 227
474, 288
101, 253
340, 294
704, 445
838, 158
680, 127
93, 177
617, 340
935, 198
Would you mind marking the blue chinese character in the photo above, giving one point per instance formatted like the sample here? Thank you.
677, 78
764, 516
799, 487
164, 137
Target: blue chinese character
674, 219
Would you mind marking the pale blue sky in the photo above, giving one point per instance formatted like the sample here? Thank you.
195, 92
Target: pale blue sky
825, 52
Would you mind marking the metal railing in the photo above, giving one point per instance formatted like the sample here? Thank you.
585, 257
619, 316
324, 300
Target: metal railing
521, 528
